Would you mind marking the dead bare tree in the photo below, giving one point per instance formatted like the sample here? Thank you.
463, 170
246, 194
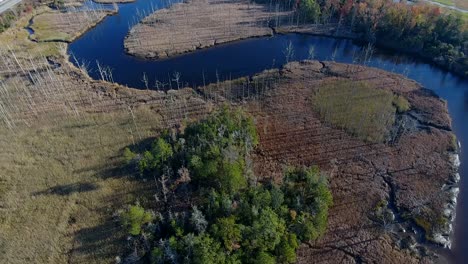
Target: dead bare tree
176, 78
289, 52
145, 80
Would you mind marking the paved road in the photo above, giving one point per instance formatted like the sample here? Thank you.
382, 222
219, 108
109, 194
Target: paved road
7, 4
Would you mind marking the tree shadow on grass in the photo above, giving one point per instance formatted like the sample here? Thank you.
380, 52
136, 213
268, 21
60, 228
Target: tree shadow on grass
99, 243
68, 189
116, 167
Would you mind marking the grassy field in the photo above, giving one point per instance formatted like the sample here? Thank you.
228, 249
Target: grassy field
64, 26
17, 39
60, 184
44, 31
464, 16
463, 4
364, 111
61, 177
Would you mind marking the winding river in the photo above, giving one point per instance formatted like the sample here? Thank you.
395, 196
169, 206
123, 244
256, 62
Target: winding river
104, 43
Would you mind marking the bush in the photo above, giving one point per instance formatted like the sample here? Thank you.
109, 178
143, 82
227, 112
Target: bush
226, 230
214, 150
129, 156
217, 148
311, 10
264, 258
134, 218
401, 104
154, 160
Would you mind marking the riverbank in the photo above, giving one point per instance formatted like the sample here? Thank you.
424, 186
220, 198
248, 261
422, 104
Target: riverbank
200, 24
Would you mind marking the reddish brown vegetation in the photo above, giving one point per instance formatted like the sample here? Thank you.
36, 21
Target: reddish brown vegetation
413, 166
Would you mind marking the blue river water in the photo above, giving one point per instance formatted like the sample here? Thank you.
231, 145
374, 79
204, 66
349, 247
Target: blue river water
104, 43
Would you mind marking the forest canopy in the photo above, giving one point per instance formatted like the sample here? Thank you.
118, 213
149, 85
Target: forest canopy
415, 28
210, 208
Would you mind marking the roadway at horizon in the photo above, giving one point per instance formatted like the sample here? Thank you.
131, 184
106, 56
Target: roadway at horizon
7, 4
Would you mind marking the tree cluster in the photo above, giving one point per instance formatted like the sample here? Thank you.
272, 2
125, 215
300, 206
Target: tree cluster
421, 29
231, 218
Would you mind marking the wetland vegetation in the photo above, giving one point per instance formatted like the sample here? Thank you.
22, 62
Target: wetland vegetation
364, 111
280, 166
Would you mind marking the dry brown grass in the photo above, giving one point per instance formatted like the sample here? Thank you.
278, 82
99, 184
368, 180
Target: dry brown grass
198, 24
59, 189
62, 177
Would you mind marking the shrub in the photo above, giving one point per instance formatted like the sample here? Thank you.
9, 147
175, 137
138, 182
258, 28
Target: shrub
129, 156
134, 218
401, 104
264, 258
217, 148
311, 10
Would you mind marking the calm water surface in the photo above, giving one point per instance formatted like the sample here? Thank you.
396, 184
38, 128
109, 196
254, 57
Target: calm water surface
104, 43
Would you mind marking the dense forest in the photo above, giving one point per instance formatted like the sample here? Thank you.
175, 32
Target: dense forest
414, 28
210, 207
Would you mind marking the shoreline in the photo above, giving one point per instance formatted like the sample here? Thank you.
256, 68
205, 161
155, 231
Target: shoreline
313, 30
